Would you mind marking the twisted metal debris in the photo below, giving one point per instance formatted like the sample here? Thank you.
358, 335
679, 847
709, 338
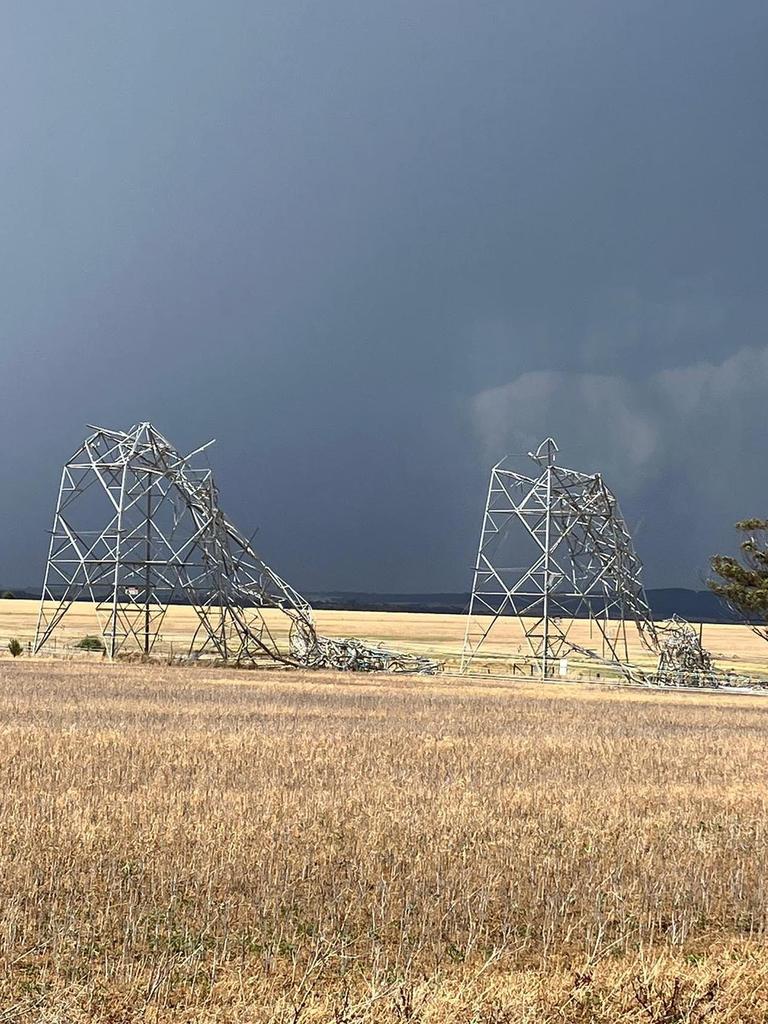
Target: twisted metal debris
683, 661
578, 562
350, 655
138, 527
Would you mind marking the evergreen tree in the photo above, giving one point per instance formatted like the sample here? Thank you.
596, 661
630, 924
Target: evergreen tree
743, 582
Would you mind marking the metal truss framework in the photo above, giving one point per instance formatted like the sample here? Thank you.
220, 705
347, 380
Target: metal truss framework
683, 660
138, 527
583, 564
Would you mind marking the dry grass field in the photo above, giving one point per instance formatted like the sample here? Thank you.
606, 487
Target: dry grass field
441, 636
197, 845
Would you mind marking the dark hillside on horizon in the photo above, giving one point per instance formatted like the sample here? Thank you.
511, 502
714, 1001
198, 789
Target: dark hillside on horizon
696, 605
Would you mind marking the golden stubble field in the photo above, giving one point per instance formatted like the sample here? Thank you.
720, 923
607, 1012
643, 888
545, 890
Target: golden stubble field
441, 636
195, 844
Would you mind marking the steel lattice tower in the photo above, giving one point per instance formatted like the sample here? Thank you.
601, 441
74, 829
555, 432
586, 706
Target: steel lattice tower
582, 562
138, 527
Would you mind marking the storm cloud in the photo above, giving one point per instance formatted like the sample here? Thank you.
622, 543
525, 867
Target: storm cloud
683, 445
372, 247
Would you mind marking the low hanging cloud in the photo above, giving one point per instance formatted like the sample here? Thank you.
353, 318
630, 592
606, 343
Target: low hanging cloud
684, 448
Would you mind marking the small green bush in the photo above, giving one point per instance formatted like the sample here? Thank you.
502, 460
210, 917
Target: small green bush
15, 647
7, 595
91, 643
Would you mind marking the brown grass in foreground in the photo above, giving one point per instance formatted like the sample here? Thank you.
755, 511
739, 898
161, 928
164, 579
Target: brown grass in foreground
196, 845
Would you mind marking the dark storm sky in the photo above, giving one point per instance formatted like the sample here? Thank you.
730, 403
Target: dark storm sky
370, 247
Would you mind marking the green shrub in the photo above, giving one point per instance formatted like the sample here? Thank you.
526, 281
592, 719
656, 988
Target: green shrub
91, 643
15, 647
7, 595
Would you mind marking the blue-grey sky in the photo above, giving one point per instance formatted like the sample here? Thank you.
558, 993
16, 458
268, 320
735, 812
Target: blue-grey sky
371, 247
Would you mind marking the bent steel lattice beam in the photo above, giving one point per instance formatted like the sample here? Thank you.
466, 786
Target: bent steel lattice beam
683, 660
138, 527
581, 563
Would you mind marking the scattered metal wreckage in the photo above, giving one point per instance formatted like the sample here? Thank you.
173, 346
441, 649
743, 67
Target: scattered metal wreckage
356, 656
683, 660
580, 563
138, 527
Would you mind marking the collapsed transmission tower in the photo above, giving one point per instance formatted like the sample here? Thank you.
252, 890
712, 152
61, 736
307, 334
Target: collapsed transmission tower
138, 528
683, 660
579, 563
